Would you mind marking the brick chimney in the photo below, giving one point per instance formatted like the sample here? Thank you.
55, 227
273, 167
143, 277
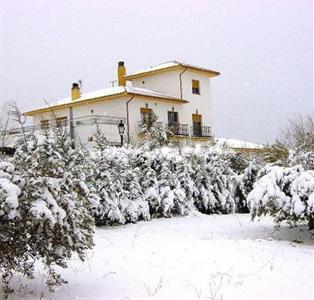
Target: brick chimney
121, 73
75, 91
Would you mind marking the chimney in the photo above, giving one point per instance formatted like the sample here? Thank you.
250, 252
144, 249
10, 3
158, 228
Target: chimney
75, 91
121, 73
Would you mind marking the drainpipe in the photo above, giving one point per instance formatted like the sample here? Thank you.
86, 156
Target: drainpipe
72, 127
181, 82
128, 118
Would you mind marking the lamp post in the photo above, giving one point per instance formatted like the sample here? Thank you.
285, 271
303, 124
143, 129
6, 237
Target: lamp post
121, 129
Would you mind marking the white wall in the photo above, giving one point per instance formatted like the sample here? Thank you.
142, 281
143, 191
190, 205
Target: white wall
159, 108
109, 108
202, 102
169, 83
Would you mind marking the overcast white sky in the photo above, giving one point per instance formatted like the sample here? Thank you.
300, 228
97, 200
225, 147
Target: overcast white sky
264, 50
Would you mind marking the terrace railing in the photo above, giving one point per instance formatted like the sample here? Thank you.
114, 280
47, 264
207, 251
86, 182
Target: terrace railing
178, 129
81, 121
201, 131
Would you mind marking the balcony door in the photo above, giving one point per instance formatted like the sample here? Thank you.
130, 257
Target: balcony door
197, 124
173, 118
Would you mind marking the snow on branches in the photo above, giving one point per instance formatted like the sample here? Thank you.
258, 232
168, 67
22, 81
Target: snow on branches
44, 212
287, 194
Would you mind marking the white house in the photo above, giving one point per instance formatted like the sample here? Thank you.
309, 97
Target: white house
177, 93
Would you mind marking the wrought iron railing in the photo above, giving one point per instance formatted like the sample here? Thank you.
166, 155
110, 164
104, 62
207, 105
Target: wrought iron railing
178, 129
97, 119
142, 125
201, 131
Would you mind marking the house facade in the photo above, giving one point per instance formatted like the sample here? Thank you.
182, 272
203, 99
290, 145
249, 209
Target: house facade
177, 94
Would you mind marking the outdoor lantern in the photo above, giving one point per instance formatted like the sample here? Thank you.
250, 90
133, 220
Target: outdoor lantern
121, 129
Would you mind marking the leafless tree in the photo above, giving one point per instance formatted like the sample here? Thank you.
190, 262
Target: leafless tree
20, 119
299, 133
5, 119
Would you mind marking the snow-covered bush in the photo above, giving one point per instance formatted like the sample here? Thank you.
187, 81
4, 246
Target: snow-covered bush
44, 208
214, 183
172, 188
238, 162
304, 158
244, 185
116, 182
277, 154
287, 194
153, 135
128, 185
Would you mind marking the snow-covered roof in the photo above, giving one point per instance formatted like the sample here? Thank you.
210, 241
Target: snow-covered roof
113, 91
169, 66
234, 143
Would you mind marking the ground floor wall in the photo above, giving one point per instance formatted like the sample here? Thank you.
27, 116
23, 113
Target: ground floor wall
106, 114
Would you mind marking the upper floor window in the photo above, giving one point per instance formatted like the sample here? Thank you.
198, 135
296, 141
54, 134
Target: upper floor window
44, 124
195, 87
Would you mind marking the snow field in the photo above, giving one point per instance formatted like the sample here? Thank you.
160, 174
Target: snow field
194, 257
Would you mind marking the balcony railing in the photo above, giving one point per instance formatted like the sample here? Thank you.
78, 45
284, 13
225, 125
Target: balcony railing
142, 125
201, 131
178, 129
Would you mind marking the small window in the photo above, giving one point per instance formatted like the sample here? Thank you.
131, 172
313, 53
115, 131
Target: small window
44, 124
91, 111
195, 87
62, 121
90, 139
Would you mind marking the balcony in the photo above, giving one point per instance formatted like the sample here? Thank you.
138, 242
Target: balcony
175, 128
141, 125
201, 131
178, 129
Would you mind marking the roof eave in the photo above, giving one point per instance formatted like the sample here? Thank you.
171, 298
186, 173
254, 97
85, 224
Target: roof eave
72, 103
177, 100
210, 73
148, 73
84, 101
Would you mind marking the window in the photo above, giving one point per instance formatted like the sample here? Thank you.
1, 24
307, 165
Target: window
44, 124
62, 121
147, 116
195, 87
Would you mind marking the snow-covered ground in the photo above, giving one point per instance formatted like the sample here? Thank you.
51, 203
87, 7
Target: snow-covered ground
195, 257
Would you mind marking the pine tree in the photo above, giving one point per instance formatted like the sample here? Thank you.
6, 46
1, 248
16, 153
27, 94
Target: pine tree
215, 182
244, 186
52, 219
